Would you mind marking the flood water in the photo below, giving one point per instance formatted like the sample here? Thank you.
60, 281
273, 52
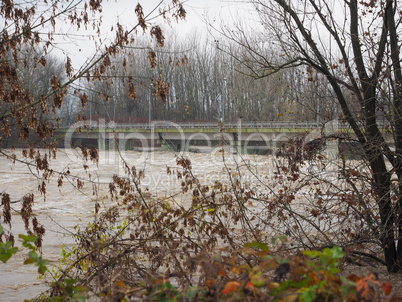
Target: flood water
67, 207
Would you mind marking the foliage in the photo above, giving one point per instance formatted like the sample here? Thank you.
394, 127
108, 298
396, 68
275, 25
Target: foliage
213, 247
33, 256
310, 280
255, 273
151, 249
7, 250
35, 84
353, 48
68, 290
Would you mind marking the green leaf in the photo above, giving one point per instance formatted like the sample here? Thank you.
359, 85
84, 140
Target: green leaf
1, 229
258, 245
83, 299
6, 251
70, 281
4, 257
334, 270
308, 295
283, 238
337, 252
192, 293
42, 262
283, 261
28, 238
312, 254
69, 291
42, 269
256, 278
33, 255
26, 241
78, 297
301, 284
347, 287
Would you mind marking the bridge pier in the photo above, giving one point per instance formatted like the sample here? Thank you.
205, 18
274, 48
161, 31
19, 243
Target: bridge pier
109, 144
244, 147
332, 149
126, 144
102, 144
179, 144
249, 146
125, 141
174, 146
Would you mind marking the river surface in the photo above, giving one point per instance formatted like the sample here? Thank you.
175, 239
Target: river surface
66, 207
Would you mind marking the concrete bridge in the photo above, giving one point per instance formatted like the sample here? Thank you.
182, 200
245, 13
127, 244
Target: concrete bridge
243, 137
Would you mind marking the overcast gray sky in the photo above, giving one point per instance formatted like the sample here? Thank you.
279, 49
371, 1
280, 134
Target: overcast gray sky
196, 10
123, 11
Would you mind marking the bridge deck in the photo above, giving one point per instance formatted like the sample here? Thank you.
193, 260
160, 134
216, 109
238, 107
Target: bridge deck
190, 127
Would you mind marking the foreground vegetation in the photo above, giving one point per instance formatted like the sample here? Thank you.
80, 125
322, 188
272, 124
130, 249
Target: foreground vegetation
253, 273
225, 243
330, 208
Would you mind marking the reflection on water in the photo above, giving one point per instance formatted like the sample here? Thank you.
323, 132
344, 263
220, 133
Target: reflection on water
66, 207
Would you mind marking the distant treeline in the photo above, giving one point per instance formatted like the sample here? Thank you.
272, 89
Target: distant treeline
190, 79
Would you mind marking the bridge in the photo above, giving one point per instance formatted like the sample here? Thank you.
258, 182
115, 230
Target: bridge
244, 137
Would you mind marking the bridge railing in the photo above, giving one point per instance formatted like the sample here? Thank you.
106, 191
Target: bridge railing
254, 125
192, 125
341, 124
229, 125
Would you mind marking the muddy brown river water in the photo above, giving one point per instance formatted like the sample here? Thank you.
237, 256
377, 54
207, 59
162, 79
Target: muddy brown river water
67, 207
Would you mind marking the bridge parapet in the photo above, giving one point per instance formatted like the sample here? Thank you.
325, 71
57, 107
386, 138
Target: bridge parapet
192, 125
241, 135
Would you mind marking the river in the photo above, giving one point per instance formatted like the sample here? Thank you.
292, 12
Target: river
65, 207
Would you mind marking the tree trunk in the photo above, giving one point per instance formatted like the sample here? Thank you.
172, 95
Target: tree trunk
382, 190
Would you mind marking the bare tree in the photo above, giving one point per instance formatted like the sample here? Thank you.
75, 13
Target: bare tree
355, 46
34, 86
